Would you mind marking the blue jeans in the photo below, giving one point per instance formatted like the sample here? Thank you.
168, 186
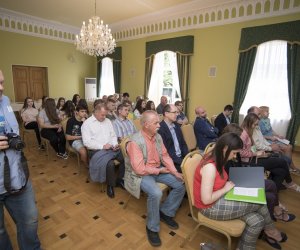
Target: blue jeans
169, 206
23, 211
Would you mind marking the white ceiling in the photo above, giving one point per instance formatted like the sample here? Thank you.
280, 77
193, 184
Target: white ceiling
73, 12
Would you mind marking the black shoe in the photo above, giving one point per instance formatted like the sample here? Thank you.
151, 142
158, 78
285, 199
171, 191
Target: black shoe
169, 221
153, 238
110, 191
120, 183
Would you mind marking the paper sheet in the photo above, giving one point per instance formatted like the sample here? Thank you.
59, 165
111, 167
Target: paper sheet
245, 191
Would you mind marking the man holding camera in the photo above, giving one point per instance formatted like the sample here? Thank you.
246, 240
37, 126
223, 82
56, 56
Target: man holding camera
16, 192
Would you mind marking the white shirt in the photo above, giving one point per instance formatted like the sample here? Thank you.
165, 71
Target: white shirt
96, 134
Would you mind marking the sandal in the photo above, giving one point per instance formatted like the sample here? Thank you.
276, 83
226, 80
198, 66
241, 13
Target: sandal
284, 209
290, 217
271, 241
295, 171
294, 187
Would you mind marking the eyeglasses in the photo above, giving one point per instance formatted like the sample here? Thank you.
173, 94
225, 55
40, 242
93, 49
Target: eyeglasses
173, 112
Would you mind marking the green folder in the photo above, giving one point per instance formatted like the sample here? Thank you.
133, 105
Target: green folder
260, 199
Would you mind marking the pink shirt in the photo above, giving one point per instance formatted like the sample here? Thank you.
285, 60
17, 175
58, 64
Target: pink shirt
153, 161
246, 152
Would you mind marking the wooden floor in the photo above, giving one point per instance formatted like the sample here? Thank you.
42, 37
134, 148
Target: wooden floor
74, 214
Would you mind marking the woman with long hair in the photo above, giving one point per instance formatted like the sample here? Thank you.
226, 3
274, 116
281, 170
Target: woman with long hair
68, 110
29, 116
139, 108
51, 129
211, 184
44, 98
60, 103
277, 166
75, 99
150, 105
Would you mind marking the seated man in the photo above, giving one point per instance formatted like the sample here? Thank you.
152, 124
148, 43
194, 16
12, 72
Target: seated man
223, 119
181, 117
123, 127
111, 108
204, 131
148, 163
172, 136
163, 102
100, 139
73, 132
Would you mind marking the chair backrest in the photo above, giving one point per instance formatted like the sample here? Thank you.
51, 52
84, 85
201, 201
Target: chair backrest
64, 125
189, 136
212, 120
137, 123
189, 165
210, 146
123, 146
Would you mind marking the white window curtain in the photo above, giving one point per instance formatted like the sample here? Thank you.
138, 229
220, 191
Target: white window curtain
268, 84
156, 82
107, 86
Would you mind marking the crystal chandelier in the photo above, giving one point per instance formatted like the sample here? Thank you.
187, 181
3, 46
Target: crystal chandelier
95, 38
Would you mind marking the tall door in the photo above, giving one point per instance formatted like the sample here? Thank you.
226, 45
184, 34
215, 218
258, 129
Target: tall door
30, 81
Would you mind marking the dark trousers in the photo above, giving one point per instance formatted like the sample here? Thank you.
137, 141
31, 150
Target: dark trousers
278, 168
271, 196
110, 170
35, 126
56, 139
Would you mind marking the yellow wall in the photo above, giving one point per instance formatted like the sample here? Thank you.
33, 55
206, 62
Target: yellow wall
213, 46
64, 77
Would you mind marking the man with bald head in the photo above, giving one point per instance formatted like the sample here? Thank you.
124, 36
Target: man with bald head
148, 163
163, 102
205, 132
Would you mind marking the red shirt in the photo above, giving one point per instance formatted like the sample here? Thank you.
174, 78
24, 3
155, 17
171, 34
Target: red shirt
219, 184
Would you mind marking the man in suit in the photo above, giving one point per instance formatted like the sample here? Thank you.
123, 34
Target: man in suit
204, 131
172, 136
223, 119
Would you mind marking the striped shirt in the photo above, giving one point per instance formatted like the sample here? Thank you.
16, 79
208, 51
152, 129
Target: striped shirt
123, 127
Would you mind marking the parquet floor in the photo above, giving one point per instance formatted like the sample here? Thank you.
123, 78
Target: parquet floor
74, 214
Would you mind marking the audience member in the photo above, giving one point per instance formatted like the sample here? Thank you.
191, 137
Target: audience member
51, 129
172, 136
67, 111
83, 103
123, 127
128, 104
150, 105
163, 102
60, 103
100, 139
204, 131
125, 97
29, 116
181, 117
139, 108
75, 99
224, 118
44, 98
73, 132
104, 98
277, 166
111, 108
16, 192
149, 163
211, 184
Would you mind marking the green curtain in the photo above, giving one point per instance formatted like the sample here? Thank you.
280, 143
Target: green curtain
183, 65
293, 68
116, 56
245, 67
148, 72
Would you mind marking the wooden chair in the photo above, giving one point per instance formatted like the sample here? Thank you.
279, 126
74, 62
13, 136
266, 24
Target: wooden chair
25, 134
210, 146
137, 123
47, 145
69, 149
231, 228
189, 136
163, 187
212, 120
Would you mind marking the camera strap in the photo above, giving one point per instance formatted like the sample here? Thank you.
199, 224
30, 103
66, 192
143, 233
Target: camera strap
6, 174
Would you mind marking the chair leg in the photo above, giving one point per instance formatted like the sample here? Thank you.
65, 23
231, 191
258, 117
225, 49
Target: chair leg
78, 164
126, 203
189, 236
102, 187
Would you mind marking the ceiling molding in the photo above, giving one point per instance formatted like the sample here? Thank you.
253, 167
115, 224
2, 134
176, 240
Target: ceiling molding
187, 16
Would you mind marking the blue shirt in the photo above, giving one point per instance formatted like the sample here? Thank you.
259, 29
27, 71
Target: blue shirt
9, 124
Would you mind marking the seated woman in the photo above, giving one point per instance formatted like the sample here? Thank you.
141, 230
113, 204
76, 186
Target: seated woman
211, 184
67, 111
75, 99
273, 137
150, 106
276, 209
29, 116
277, 166
139, 108
51, 129
60, 103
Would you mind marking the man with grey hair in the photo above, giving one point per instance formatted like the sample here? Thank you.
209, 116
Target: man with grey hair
148, 162
163, 102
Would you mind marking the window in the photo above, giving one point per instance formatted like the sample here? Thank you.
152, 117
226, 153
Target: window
164, 78
107, 85
268, 84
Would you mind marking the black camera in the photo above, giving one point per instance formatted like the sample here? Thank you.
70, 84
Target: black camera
15, 141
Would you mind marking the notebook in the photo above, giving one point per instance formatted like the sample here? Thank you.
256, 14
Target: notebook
249, 185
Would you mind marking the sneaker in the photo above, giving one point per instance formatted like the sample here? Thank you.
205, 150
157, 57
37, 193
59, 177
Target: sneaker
41, 147
65, 156
61, 155
153, 238
169, 221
